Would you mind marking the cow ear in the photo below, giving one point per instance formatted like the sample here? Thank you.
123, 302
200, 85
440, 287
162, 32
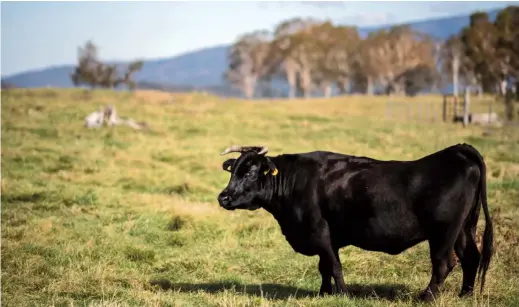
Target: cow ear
226, 166
269, 167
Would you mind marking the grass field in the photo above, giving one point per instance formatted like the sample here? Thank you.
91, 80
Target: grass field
117, 217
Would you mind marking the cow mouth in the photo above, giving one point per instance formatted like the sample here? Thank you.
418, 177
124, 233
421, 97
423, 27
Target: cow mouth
241, 207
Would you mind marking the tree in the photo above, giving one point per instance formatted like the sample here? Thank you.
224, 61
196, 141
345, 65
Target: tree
387, 54
407, 49
418, 79
92, 72
127, 79
87, 69
480, 42
333, 55
366, 64
249, 61
507, 45
453, 61
293, 44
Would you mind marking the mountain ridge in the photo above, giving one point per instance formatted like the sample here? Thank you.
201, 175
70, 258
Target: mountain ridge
203, 68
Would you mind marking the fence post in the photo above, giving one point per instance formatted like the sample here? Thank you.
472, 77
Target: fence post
455, 107
466, 104
490, 112
444, 111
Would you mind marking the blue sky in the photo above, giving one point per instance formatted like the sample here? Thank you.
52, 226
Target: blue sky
40, 34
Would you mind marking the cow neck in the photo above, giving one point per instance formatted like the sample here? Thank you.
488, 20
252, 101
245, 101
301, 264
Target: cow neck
277, 191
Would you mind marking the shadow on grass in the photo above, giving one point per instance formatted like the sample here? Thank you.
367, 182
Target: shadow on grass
380, 291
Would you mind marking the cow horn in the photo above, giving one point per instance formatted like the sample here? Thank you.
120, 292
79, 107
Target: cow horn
237, 148
264, 150
232, 148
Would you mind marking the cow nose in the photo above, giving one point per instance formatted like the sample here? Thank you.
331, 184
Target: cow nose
224, 199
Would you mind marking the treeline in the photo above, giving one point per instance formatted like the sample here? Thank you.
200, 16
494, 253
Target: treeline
312, 55
90, 71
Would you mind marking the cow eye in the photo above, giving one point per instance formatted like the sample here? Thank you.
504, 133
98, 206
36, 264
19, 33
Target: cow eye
249, 174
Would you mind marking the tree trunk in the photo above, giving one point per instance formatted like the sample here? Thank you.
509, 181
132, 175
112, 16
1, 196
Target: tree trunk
344, 85
291, 71
455, 74
397, 88
306, 83
503, 86
341, 86
249, 85
369, 87
327, 89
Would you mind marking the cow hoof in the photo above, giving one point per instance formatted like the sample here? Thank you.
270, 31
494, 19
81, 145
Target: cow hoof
427, 296
466, 292
325, 291
339, 291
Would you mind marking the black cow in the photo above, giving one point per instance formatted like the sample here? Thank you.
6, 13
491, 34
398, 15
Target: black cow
324, 201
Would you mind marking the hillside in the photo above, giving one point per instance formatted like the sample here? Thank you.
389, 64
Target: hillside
203, 69
99, 217
440, 28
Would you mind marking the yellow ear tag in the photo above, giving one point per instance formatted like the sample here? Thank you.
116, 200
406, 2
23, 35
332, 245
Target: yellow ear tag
229, 168
274, 172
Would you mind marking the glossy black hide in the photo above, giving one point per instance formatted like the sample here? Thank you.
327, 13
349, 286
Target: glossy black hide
324, 201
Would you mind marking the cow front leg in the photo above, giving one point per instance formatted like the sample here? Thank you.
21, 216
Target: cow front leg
325, 269
330, 263
339, 279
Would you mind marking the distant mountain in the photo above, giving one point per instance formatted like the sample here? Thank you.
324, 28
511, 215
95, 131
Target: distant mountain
440, 28
203, 69
198, 69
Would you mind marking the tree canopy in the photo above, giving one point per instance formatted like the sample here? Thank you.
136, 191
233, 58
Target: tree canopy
90, 71
311, 55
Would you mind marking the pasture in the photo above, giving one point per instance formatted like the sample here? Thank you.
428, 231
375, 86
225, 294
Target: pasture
118, 217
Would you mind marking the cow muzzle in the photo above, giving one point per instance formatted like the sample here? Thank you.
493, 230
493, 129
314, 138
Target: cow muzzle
225, 200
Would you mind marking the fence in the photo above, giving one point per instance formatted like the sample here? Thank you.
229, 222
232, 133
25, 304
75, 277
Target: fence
451, 109
424, 111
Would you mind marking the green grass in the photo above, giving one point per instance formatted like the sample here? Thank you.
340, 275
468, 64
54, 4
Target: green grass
117, 217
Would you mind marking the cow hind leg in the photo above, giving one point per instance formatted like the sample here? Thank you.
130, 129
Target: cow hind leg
440, 270
468, 253
441, 249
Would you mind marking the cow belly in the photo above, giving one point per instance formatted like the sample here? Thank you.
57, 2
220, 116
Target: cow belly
302, 245
391, 236
302, 240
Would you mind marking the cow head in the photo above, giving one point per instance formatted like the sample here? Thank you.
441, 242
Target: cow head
246, 188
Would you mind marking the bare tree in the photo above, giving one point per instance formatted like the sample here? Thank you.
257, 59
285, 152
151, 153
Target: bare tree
292, 42
91, 71
333, 55
249, 61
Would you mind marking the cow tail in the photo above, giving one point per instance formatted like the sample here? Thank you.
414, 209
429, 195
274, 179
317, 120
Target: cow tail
488, 234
